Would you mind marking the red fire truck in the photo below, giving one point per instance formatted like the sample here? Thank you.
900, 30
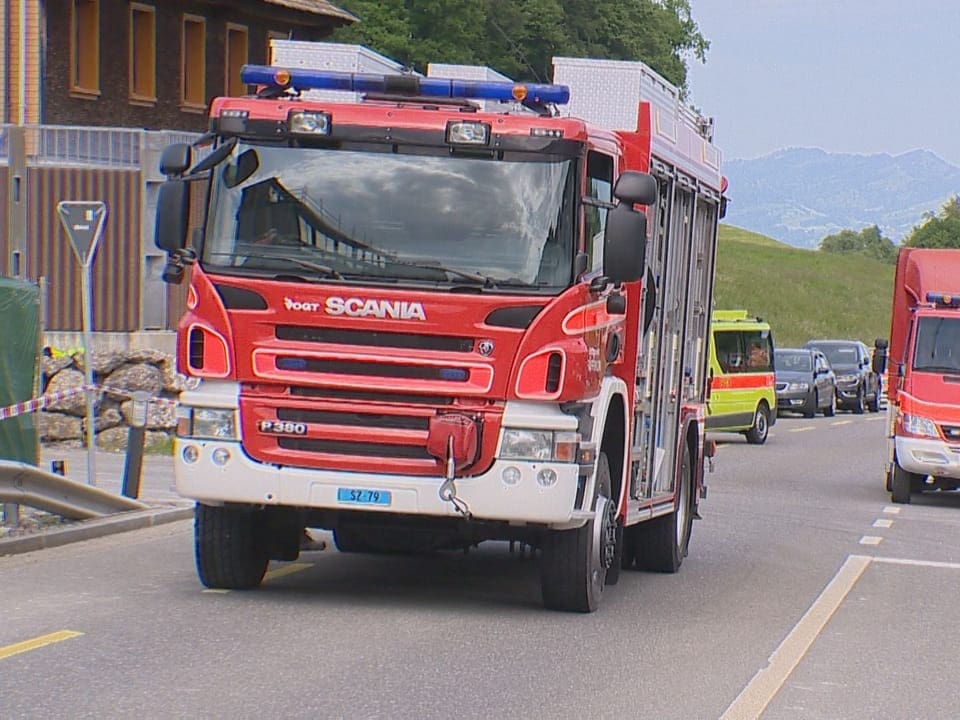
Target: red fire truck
923, 387
423, 324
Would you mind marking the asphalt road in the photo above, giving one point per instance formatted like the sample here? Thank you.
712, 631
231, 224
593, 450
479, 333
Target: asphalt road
805, 595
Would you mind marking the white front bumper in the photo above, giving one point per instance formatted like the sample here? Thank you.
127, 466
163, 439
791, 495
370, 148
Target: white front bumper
928, 457
243, 480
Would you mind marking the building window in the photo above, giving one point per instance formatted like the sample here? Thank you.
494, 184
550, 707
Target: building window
143, 52
236, 58
193, 64
85, 51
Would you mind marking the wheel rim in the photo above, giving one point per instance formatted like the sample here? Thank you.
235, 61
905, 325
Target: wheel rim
760, 421
604, 537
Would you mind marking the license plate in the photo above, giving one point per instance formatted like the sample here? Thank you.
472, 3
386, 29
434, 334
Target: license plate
357, 496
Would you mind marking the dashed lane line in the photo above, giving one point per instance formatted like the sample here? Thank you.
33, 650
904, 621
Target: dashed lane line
871, 540
758, 693
882, 523
802, 429
842, 422
891, 510
285, 570
37, 642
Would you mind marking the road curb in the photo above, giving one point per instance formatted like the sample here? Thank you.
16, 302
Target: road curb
97, 527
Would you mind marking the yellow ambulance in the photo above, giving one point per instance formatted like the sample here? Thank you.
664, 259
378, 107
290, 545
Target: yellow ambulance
742, 396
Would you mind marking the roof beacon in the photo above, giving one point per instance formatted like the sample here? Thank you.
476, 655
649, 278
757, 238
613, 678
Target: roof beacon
413, 85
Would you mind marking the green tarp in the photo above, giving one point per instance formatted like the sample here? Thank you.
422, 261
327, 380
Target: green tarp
19, 343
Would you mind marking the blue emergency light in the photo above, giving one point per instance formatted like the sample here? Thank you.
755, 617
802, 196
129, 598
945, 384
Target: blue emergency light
943, 299
412, 85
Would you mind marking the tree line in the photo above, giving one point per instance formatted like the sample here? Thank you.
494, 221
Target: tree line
937, 230
519, 38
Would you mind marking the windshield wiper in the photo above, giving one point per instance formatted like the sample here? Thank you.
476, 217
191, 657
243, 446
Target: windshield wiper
485, 280
325, 270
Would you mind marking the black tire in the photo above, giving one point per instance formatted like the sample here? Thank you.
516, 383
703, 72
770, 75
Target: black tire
857, 406
831, 409
351, 540
757, 434
229, 547
812, 410
573, 568
662, 544
901, 484
874, 404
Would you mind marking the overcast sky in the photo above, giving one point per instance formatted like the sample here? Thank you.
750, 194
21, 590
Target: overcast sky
855, 76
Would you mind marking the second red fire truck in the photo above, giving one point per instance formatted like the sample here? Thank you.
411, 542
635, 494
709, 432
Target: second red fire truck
422, 324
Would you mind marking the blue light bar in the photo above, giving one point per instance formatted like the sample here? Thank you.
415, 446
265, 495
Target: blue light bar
413, 85
943, 299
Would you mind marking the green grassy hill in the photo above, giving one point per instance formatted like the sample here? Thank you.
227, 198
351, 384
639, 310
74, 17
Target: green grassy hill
803, 294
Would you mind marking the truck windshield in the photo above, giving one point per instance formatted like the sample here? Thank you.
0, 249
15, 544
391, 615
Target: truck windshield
938, 345
383, 217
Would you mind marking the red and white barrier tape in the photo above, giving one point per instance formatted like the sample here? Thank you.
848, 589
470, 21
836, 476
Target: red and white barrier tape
34, 404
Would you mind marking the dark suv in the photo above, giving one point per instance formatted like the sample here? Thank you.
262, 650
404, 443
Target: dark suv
857, 383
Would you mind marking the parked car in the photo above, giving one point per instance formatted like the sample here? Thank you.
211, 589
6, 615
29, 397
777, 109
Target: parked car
805, 382
858, 386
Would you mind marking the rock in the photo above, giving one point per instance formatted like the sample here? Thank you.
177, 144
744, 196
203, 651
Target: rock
133, 377
107, 418
50, 366
146, 355
105, 362
67, 379
57, 427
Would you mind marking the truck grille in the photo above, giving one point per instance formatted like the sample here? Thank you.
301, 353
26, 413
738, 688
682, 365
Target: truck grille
403, 341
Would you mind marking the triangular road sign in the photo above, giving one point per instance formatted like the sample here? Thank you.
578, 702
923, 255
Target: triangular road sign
83, 222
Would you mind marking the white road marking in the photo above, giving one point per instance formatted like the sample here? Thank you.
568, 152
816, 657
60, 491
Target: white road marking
882, 523
871, 540
918, 563
892, 510
802, 429
758, 693
841, 422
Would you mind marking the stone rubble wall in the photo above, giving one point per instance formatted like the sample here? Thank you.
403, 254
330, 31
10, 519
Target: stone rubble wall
126, 371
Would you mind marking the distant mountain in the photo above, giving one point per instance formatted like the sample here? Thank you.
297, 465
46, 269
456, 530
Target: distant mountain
800, 195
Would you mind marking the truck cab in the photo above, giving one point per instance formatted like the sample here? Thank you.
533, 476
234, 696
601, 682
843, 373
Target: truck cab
924, 374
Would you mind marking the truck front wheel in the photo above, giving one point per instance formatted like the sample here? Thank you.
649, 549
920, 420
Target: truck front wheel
574, 563
229, 547
901, 484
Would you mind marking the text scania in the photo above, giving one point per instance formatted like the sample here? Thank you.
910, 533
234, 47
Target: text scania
360, 307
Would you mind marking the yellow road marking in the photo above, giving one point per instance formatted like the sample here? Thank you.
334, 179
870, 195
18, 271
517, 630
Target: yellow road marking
802, 429
38, 642
286, 570
758, 693
841, 422
215, 591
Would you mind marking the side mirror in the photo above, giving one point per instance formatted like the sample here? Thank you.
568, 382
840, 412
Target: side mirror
879, 362
636, 188
246, 165
175, 159
173, 207
624, 244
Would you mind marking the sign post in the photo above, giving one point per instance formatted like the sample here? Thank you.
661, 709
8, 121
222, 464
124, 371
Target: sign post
83, 222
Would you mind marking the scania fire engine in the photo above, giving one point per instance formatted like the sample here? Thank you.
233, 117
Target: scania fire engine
423, 322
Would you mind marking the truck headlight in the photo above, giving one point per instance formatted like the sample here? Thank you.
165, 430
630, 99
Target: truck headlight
543, 445
920, 426
210, 423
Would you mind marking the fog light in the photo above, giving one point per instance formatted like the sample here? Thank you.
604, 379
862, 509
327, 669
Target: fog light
547, 478
220, 456
510, 476
191, 453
